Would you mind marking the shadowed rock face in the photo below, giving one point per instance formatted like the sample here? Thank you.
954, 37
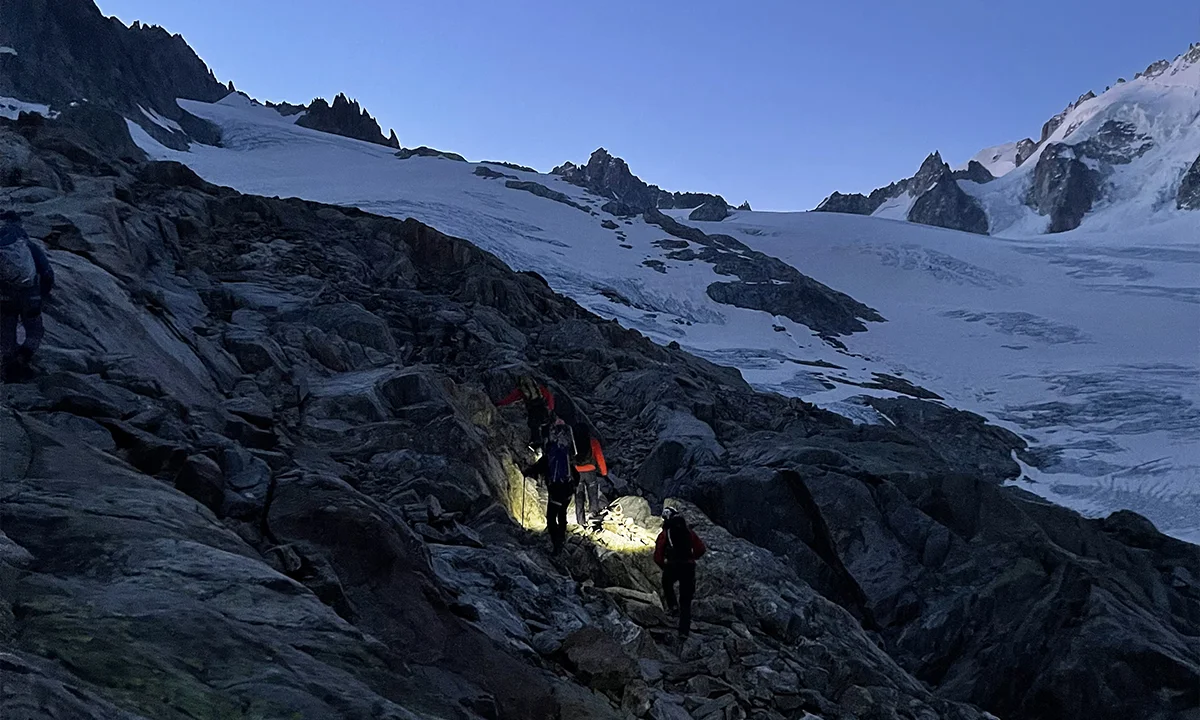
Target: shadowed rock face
712, 211
1189, 189
975, 172
853, 204
261, 472
946, 205
68, 52
1064, 188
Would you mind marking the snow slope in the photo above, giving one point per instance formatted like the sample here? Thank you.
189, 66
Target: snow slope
1083, 343
999, 160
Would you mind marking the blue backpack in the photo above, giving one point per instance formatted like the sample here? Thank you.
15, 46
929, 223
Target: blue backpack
560, 451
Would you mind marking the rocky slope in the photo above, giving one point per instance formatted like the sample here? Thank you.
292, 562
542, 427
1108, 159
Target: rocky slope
67, 51
1116, 153
609, 176
260, 474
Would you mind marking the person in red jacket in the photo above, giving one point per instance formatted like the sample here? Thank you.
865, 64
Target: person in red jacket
676, 552
590, 465
539, 408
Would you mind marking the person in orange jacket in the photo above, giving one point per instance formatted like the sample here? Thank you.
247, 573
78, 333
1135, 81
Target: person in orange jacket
539, 408
676, 552
590, 465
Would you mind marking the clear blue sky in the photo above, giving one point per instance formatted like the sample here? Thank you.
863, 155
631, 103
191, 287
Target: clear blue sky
777, 102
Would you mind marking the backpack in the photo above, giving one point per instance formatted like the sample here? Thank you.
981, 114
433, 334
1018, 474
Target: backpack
560, 448
679, 542
17, 268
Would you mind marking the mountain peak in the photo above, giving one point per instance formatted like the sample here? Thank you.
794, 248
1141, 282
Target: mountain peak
347, 118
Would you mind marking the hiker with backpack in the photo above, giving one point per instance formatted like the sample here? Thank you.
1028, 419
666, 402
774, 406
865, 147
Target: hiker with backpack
676, 552
26, 281
539, 408
556, 468
590, 466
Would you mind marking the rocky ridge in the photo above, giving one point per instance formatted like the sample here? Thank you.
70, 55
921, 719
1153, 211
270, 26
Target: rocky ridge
261, 473
346, 118
610, 177
939, 200
59, 45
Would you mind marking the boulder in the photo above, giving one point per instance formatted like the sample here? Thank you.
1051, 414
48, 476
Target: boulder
599, 660
202, 479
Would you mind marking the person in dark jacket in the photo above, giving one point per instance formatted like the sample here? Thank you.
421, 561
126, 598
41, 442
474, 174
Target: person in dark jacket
26, 281
539, 408
555, 469
590, 466
676, 552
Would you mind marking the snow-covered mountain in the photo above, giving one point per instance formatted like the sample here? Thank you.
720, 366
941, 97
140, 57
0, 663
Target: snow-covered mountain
1084, 344
1108, 161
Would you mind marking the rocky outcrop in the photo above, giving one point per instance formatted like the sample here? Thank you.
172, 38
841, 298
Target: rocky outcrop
932, 169
686, 200
1025, 149
975, 172
610, 177
66, 51
1188, 197
344, 117
510, 166
939, 199
767, 283
422, 151
1055, 122
947, 205
1115, 143
712, 211
744, 206
853, 204
1064, 187
545, 192
484, 171
261, 472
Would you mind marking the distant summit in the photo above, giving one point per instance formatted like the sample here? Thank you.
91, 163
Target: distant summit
1122, 153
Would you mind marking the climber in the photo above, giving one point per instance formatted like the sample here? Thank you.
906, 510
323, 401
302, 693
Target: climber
26, 280
554, 466
676, 552
591, 466
539, 407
